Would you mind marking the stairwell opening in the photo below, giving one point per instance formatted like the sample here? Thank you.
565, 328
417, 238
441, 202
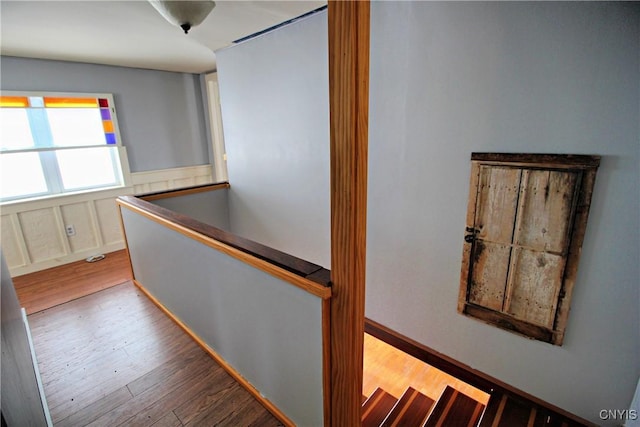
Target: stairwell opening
399, 389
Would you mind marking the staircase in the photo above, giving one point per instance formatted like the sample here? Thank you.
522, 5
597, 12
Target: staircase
414, 409
509, 411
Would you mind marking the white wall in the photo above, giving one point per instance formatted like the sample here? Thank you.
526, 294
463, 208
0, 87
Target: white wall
451, 78
274, 94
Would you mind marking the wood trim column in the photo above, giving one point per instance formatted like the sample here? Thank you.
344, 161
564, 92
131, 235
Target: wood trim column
349, 117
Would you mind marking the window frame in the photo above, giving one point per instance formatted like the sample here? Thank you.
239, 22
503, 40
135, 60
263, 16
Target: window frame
583, 165
48, 159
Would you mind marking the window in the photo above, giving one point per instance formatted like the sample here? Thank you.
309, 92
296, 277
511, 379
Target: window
525, 226
57, 143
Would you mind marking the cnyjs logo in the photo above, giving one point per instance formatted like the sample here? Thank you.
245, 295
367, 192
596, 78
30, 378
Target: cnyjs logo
618, 414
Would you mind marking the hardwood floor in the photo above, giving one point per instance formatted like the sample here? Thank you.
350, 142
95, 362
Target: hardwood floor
108, 356
394, 371
113, 358
48, 288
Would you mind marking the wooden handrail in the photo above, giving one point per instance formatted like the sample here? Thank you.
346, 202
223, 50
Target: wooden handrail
306, 275
166, 194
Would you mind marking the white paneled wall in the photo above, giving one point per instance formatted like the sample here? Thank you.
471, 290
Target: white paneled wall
168, 179
33, 233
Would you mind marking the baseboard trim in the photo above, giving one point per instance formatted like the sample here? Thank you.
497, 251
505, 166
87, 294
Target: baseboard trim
476, 378
230, 370
67, 259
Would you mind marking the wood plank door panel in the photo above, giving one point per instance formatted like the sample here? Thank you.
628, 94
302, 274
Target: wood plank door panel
541, 239
533, 286
525, 224
546, 209
489, 274
496, 204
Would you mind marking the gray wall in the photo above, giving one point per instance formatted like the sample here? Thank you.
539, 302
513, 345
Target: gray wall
274, 96
448, 79
160, 114
21, 403
210, 207
451, 78
267, 329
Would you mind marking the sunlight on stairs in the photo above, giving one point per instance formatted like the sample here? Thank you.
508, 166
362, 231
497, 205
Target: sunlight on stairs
414, 409
394, 371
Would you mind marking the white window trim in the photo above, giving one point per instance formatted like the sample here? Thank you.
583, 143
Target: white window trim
217, 133
124, 172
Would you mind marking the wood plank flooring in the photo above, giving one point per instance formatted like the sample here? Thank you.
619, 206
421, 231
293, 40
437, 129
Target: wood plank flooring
44, 289
393, 370
113, 358
88, 335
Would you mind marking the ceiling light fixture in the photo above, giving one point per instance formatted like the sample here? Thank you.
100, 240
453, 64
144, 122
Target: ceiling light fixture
185, 13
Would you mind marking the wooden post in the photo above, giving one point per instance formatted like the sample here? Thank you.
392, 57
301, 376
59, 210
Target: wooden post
349, 116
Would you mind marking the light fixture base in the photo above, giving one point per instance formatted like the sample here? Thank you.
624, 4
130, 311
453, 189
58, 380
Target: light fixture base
185, 14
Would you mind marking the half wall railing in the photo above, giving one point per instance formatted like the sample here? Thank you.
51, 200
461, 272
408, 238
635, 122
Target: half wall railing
264, 315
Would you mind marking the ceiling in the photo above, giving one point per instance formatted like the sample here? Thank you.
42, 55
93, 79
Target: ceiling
132, 33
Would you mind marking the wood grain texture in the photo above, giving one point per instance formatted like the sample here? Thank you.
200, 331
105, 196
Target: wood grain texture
411, 410
48, 288
470, 233
220, 361
349, 24
395, 371
526, 220
509, 411
376, 408
541, 160
573, 259
140, 368
455, 409
465, 373
546, 210
183, 191
293, 270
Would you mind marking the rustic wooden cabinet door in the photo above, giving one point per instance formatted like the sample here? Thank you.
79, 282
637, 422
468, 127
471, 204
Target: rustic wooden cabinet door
520, 225
496, 208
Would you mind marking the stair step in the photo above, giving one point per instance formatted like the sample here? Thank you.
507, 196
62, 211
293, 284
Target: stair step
506, 411
502, 411
455, 409
377, 407
410, 411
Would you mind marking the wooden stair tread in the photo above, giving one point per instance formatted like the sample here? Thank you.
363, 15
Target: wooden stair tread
502, 411
506, 411
376, 408
455, 409
410, 411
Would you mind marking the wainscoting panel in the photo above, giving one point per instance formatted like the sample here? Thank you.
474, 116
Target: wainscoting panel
108, 220
14, 253
41, 230
33, 234
169, 179
86, 231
